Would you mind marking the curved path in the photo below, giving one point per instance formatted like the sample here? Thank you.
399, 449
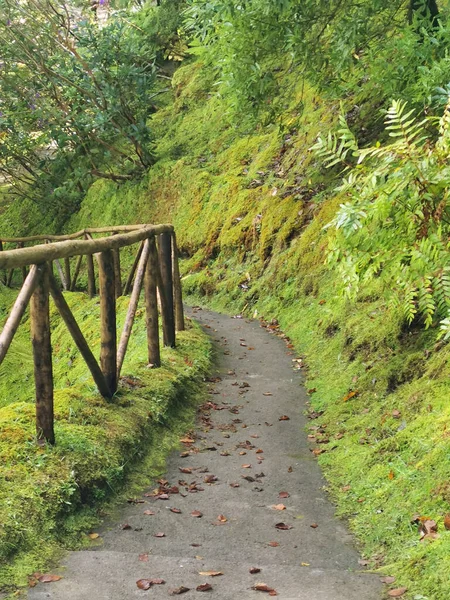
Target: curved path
242, 458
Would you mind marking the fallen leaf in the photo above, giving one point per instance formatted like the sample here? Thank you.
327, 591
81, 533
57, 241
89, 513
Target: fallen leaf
397, 592
94, 536
389, 580
211, 573
246, 466
363, 562
49, 578
396, 414
278, 507
144, 584
350, 395
259, 451
234, 485
187, 440
160, 535
148, 512
126, 526
254, 570
428, 530
267, 394
391, 475
303, 564
284, 418
263, 587
204, 587
274, 544
197, 514
143, 557
210, 479
222, 519
187, 470
283, 495
314, 526
290, 469
447, 521
157, 581
176, 511
178, 591
283, 526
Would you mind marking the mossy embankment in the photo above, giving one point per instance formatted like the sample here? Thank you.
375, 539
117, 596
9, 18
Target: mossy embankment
51, 497
250, 209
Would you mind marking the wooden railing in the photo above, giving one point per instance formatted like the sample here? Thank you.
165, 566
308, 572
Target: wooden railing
155, 269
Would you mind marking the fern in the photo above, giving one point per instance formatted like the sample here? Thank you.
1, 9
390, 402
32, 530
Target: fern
395, 224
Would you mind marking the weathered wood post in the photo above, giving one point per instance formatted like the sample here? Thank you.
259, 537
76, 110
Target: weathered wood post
67, 274
132, 307
166, 288
77, 273
91, 274
107, 290
4, 279
24, 269
18, 310
117, 271
129, 282
78, 338
177, 290
42, 355
151, 305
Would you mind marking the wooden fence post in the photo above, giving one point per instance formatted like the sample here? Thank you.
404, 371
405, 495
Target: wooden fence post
67, 274
117, 271
18, 310
42, 355
76, 274
132, 307
129, 282
177, 290
166, 288
151, 305
91, 274
78, 338
107, 290
24, 269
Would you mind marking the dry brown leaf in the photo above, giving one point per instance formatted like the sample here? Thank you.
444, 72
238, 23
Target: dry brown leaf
314, 526
263, 587
143, 557
94, 536
222, 519
278, 507
283, 495
397, 592
211, 573
179, 590
284, 418
49, 578
283, 526
144, 584
274, 544
159, 535
197, 514
148, 512
246, 466
447, 521
187, 470
177, 511
254, 570
204, 587
389, 580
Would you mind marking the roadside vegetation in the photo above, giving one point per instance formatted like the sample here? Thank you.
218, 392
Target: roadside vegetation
301, 151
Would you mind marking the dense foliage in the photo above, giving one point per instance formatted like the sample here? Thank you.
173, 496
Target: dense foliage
75, 98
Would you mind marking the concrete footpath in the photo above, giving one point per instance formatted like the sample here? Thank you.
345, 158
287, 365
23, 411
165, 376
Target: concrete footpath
243, 494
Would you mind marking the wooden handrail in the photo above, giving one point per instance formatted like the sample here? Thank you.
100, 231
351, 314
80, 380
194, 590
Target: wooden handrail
72, 236
155, 269
12, 259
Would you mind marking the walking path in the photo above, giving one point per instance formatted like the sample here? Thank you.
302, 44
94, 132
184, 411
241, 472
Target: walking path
244, 461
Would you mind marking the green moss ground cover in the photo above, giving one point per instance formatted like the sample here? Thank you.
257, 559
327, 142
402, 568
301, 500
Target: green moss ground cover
51, 497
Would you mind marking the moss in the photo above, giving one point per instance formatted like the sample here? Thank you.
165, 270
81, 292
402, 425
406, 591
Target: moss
49, 496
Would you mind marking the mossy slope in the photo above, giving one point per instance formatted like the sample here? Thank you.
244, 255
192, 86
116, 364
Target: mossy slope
250, 208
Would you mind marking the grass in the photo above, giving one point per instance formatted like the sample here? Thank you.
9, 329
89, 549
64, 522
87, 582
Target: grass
51, 497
